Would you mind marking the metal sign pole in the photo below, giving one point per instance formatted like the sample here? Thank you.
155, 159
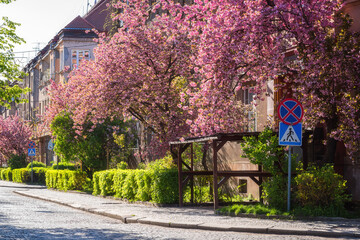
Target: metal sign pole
289, 180
32, 173
290, 113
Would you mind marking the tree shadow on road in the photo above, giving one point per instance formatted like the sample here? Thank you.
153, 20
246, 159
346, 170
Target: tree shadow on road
13, 232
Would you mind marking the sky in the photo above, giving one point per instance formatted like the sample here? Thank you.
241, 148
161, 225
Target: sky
40, 21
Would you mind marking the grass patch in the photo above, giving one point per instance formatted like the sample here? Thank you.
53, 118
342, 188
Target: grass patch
254, 209
263, 210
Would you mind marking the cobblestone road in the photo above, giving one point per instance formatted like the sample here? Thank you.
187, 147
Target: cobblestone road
27, 218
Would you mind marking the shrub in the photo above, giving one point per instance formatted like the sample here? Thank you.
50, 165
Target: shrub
275, 192
158, 183
265, 151
21, 175
6, 174
130, 186
96, 183
122, 165
63, 166
36, 164
17, 161
39, 174
164, 187
143, 182
320, 187
164, 180
65, 179
119, 182
103, 182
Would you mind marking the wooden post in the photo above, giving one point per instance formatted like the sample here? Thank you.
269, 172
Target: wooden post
260, 187
215, 176
180, 177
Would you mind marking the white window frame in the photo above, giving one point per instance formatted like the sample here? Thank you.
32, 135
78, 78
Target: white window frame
77, 56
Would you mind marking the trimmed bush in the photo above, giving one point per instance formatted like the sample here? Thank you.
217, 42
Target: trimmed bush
164, 187
65, 179
119, 183
103, 183
36, 164
143, 181
6, 174
39, 174
157, 183
63, 166
21, 175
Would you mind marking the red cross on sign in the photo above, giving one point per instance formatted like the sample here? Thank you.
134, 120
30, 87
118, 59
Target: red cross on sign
31, 144
290, 111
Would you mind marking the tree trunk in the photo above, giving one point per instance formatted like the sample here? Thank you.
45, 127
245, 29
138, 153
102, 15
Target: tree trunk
331, 143
203, 160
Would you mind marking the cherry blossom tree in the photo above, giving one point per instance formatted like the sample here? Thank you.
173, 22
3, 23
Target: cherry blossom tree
15, 135
307, 43
141, 72
177, 68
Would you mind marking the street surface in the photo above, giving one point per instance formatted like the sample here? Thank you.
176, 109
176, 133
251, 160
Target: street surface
27, 218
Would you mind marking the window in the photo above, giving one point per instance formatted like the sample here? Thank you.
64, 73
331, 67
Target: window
242, 186
247, 97
77, 56
62, 59
40, 109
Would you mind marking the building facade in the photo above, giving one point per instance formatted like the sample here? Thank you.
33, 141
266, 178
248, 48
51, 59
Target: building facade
63, 53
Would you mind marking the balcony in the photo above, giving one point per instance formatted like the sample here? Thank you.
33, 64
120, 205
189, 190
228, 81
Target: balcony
45, 77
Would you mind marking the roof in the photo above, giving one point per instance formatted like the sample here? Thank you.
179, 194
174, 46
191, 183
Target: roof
79, 23
94, 19
98, 15
217, 137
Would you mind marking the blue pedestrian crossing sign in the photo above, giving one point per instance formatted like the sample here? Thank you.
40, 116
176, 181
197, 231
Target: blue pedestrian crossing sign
31, 152
290, 135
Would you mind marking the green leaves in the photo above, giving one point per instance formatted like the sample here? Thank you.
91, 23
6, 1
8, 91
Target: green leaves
10, 75
65, 179
157, 183
265, 151
320, 187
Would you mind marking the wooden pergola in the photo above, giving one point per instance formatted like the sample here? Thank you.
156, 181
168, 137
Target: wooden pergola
216, 141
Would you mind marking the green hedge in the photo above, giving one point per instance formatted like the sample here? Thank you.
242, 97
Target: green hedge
6, 174
160, 186
103, 183
23, 175
63, 166
36, 164
65, 179
39, 174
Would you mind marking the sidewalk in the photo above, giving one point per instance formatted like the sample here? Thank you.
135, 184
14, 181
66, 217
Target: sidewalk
189, 217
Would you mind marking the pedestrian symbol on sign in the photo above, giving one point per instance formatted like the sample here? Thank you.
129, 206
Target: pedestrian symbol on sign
290, 135
31, 152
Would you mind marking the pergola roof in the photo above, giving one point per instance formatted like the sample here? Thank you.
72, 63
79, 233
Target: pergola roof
216, 137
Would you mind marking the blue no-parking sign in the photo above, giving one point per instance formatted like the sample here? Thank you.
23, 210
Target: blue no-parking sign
290, 111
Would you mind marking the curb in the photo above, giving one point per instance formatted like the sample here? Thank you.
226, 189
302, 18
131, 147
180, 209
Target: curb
127, 219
